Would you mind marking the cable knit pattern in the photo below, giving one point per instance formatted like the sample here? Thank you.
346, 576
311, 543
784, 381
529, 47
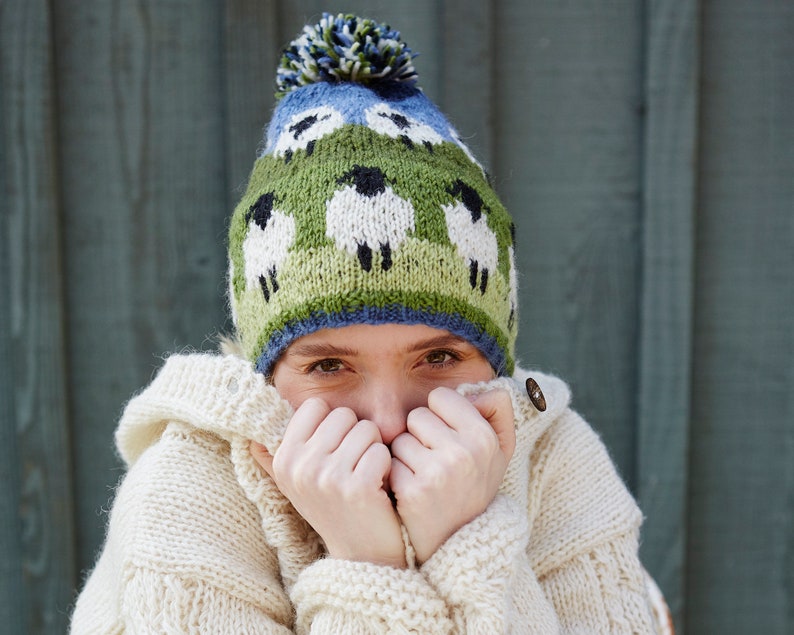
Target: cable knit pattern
478, 569
201, 540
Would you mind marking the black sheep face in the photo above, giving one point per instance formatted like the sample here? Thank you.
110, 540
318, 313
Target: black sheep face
305, 128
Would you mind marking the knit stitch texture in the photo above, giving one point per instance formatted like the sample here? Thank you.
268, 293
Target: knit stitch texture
200, 540
364, 206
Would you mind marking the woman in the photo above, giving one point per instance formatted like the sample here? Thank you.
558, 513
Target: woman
368, 458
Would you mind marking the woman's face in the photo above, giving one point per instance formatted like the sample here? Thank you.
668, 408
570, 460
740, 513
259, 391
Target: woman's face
381, 372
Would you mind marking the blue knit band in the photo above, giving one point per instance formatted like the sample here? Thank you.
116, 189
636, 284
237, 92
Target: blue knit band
393, 314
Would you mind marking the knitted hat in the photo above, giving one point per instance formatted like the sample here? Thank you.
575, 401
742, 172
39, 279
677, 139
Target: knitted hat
365, 207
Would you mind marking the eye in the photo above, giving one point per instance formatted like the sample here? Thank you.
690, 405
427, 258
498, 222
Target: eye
327, 366
441, 357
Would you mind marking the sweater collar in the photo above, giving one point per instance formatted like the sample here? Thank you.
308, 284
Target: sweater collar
224, 395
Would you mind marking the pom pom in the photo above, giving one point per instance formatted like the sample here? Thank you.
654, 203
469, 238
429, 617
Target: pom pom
345, 48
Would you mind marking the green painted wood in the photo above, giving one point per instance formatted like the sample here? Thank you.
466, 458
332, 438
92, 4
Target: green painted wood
741, 506
466, 91
679, 353
13, 600
42, 572
669, 200
566, 160
251, 46
141, 103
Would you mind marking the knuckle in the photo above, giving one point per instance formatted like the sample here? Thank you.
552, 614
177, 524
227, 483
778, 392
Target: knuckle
369, 429
344, 413
456, 455
379, 453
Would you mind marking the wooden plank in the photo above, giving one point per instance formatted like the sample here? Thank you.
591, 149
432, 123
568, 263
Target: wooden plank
251, 48
145, 204
35, 413
566, 161
13, 598
669, 192
741, 505
466, 94
14, 611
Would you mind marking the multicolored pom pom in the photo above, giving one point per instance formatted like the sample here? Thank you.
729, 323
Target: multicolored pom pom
345, 48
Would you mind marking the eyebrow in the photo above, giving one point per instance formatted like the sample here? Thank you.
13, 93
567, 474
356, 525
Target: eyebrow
325, 349
319, 350
439, 341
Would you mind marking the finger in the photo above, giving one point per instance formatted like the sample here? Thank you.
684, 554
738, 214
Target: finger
400, 477
410, 451
426, 426
454, 409
496, 408
309, 415
332, 430
375, 465
262, 457
355, 443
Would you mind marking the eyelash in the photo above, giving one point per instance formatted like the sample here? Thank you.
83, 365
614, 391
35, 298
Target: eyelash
314, 367
451, 356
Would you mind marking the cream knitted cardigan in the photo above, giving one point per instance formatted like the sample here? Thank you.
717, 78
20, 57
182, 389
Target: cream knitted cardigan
201, 541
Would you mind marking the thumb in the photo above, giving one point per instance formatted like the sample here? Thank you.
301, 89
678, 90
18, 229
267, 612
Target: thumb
262, 456
496, 408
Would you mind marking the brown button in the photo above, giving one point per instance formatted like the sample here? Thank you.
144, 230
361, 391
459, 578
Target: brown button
536, 395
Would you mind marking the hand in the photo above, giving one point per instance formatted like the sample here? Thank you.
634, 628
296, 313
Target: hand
447, 468
332, 468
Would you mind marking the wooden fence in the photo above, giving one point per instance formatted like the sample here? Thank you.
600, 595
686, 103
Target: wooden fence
645, 148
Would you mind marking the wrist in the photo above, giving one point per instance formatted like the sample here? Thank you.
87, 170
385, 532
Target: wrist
386, 560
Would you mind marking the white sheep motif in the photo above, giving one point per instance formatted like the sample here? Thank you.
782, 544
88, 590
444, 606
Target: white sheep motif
271, 233
304, 129
468, 230
366, 215
385, 120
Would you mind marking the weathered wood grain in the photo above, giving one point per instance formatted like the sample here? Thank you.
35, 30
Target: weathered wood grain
251, 47
141, 103
741, 516
644, 149
566, 159
668, 209
467, 59
37, 463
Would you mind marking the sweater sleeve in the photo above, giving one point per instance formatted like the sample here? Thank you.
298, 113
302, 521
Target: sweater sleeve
341, 596
584, 534
478, 582
483, 574
601, 591
184, 552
